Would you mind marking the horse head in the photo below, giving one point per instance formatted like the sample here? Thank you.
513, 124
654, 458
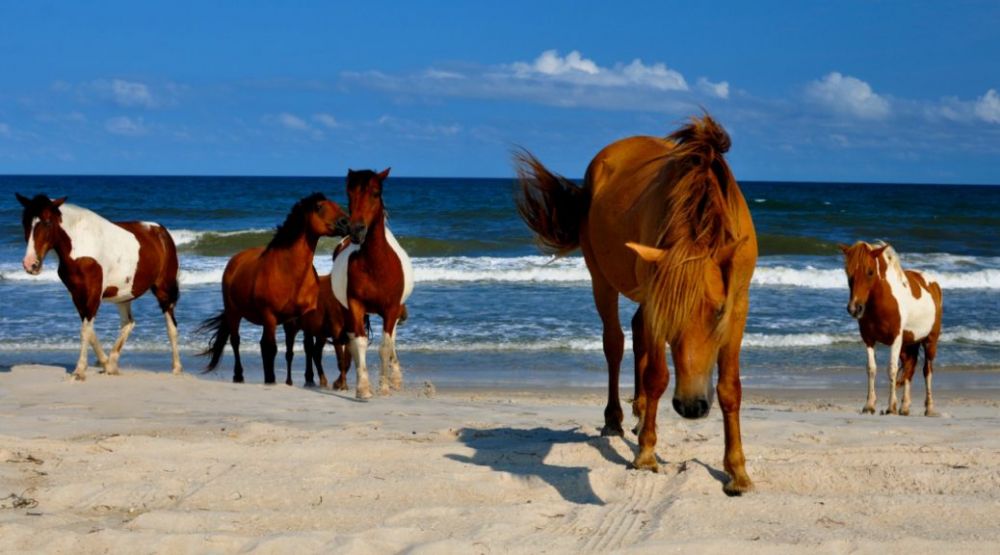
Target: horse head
41, 220
861, 263
364, 194
328, 218
689, 309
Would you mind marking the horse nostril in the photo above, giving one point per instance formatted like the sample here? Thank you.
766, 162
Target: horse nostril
697, 408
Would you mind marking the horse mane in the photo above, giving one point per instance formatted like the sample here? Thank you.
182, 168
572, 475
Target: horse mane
697, 222
294, 225
856, 257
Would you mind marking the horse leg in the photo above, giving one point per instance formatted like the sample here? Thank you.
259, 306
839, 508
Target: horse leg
730, 393
290, 332
87, 300
307, 350
359, 348
869, 407
234, 342
894, 350
654, 383
908, 357
930, 351
606, 301
86, 330
166, 295
269, 347
641, 360
318, 343
343, 365
390, 374
127, 324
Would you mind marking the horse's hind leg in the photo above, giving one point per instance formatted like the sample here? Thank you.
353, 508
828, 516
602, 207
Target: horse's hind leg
730, 394
166, 295
315, 357
930, 351
290, 332
606, 301
908, 356
390, 374
269, 347
654, 383
234, 342
869, 407
343, 364
894, 350
127, 324
641, 360
359, 349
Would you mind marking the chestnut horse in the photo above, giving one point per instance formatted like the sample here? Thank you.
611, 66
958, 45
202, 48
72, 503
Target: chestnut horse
103, 261
270, 285
372, 276
326, 322
894, 307
663, 222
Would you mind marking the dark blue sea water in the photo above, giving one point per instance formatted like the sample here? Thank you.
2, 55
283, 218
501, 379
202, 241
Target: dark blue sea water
487, 308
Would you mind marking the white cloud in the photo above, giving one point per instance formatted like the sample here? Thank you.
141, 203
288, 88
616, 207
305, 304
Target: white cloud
326, 120
122, 125
718, 90
848, 95
291, 121
575, 69
988, 107
130, 93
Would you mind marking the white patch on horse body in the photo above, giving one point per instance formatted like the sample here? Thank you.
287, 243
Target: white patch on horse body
115, 249
915, 315
404, 262
338, 275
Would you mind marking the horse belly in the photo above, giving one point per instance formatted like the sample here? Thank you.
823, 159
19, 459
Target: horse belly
920, 316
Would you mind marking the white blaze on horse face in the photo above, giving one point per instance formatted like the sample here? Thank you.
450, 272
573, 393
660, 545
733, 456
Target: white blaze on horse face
30, 255
115, 249
404, 262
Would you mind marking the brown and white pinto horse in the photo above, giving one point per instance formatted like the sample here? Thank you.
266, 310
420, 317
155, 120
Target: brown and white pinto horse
270, 285
663, 222
373, 275
894, 307
328, 321
103, 261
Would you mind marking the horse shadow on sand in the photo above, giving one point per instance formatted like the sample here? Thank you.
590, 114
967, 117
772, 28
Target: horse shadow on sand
522, 452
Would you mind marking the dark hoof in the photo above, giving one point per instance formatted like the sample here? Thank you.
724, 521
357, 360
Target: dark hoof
237, 379
612, 431
309, 385
288, 382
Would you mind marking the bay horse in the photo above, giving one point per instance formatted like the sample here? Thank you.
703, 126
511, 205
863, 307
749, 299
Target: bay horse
100, 260
663, 222
270, 285
895, 307
373, 275
327, 322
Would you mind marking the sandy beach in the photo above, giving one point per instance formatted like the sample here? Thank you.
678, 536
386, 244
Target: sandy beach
154, 463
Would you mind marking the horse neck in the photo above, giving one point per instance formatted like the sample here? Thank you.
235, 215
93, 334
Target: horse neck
376, 240
75, 221
298, 256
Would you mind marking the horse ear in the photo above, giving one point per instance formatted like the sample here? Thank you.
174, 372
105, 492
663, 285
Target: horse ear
58, 202
649, 254
383, 174
878, 252
843, 248
25, 201
727, 251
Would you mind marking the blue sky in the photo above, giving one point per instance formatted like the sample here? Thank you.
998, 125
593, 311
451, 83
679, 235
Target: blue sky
823, 91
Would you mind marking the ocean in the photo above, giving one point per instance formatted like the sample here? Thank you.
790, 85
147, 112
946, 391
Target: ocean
488, 309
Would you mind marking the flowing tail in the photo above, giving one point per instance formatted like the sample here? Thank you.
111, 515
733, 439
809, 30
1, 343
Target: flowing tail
219, 329
551, 205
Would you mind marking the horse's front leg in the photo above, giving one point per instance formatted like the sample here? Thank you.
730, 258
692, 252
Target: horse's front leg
390, 373
269, 347
86, 331
654, 383
869, 407
359, 348
291, 330
894, 350
606, 301
730, 393
127, 324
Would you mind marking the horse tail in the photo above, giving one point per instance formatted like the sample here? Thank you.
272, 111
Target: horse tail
553, 207
219, 328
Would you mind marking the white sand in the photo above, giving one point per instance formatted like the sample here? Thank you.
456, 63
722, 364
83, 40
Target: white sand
153, 463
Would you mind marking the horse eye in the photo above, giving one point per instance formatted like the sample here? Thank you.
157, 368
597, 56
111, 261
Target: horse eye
720, 312
871, 272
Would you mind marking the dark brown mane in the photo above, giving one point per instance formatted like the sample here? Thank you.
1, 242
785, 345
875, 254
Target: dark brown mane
294, 224
696, 223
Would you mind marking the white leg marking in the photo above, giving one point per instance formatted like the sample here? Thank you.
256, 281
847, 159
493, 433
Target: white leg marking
86, 329
905, 409
897, 346
872, 369
359, 348
396, 375
929, 402
172, 334
127, 324
384, 355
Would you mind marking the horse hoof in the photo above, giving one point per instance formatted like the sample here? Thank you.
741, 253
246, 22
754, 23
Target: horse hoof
364, 393
340, 386
932, 413
79, 376
177, 370
612, 431
309, 385
288, 382
736, 487
323, 383
887, 412
237, 379
646, 463
868, 410
384, 390
904, 412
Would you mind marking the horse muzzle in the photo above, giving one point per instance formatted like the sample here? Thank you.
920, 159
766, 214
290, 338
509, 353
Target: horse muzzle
855, 309
32, 265
358, 234
697, 407
342, 228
